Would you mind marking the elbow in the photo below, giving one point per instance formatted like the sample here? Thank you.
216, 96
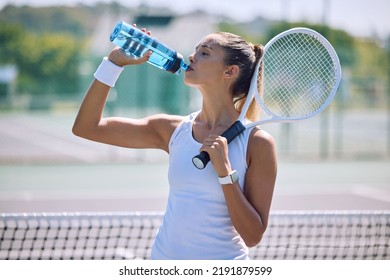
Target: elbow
253, 241
76, 130
87, 131
79, 130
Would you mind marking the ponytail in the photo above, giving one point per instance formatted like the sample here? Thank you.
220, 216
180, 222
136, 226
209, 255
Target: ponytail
253, 112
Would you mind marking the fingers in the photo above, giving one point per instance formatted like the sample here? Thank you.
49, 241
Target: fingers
217, 148
144, 58
119, 57
214, 141
137, 60
144, 29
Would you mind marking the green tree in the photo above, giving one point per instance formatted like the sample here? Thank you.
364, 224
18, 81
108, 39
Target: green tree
57, 19
47, 63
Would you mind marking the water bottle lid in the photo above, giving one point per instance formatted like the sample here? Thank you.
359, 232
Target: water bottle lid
176, 64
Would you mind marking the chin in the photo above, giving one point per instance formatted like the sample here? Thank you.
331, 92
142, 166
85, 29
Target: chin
188, 82
191, 80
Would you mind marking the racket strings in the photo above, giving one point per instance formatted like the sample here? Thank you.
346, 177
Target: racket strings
299, 74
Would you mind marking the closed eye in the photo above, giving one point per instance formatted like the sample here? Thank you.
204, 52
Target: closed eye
201, 52
202, 49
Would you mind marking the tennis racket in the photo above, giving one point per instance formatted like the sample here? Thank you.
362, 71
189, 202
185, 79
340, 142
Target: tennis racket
300, 76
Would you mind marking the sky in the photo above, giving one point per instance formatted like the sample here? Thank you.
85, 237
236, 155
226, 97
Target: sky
359, 17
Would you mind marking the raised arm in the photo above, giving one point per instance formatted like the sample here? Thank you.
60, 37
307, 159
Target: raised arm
150, 132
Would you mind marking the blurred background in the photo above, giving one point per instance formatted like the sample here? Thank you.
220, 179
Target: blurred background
49, 51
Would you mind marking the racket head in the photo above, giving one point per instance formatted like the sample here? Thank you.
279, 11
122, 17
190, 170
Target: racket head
297, 77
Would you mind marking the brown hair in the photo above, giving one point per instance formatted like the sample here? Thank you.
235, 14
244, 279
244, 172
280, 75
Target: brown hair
245, 56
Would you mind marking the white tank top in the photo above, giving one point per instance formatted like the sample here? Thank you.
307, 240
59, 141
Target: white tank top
196, 224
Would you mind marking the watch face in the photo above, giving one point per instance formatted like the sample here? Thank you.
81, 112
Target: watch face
234, 176
230, 179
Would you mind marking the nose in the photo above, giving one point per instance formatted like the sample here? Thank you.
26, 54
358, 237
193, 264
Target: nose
191, 57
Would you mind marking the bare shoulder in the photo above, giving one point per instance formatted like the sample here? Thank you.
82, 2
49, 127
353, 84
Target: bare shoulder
165, 125
261, 138
261, 145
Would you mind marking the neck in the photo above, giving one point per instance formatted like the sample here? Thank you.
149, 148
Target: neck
217, 109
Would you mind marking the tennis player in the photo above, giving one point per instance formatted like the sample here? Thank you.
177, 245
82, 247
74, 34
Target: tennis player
217, 212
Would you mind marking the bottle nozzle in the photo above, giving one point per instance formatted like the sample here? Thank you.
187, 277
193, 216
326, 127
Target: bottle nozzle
185, 66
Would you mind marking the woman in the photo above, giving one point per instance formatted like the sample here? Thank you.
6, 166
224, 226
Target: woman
211, 214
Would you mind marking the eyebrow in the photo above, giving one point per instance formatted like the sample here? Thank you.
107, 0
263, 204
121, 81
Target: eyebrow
204, 46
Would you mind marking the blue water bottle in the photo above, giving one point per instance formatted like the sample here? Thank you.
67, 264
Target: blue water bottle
135, 43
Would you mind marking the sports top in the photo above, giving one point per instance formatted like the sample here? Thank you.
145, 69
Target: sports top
196, 223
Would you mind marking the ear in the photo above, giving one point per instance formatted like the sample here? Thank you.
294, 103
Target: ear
232, 71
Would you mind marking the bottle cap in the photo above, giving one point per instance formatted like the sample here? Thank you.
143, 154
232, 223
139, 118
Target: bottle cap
176, 64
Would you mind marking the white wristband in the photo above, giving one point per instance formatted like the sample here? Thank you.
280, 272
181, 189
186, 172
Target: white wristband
108, 72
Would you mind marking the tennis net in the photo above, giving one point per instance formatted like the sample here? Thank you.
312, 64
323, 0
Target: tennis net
130, 235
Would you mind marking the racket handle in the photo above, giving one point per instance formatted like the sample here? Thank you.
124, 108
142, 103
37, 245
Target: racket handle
200, 161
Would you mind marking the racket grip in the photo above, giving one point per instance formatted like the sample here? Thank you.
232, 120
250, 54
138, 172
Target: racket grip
233, 131
200, 161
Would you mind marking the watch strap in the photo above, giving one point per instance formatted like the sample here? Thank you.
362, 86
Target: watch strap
231, 178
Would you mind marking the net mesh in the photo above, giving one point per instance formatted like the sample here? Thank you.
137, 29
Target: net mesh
290, 235
300, 74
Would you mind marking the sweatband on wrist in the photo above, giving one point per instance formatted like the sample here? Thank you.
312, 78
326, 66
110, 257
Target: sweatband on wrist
108, 72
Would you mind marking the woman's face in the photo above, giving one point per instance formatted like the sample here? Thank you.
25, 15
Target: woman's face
206, 63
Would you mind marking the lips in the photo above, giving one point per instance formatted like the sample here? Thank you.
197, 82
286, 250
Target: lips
189, 69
